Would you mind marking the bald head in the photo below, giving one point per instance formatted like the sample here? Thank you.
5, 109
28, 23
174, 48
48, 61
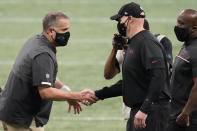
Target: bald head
187, 19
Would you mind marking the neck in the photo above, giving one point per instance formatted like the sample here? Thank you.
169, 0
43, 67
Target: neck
133, 31
49, 38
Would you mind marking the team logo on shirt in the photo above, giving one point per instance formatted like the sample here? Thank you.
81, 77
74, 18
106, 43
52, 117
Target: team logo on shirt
131, 51
155, 61
47, 76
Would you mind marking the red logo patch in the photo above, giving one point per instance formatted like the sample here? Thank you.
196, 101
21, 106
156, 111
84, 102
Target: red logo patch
130, 51
155, 61
47, 76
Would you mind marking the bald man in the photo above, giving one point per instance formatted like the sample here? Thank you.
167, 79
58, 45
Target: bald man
183, 115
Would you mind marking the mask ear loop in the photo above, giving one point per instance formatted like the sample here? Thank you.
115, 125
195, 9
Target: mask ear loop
51, 36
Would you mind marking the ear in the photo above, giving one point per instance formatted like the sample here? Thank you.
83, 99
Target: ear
49, 31
193, 28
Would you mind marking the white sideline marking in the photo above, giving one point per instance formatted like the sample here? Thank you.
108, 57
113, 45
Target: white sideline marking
85, 2
88, 118
80, 20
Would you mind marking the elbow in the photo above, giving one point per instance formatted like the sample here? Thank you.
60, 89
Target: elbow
107, 77
43, 96
44, 93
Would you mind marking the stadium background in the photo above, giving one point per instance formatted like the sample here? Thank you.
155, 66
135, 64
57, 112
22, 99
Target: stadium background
81, 63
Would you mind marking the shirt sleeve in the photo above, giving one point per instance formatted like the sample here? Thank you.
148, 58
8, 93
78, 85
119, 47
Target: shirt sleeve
42, 70
158, 79
151, 55
108, 92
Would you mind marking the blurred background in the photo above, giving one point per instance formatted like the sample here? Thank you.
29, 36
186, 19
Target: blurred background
81, 63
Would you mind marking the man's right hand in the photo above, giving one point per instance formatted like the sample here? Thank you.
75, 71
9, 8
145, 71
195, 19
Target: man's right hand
88, 97
183, 120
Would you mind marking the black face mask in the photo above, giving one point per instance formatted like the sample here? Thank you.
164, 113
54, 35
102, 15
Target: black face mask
181, 33
121, 29
61, 39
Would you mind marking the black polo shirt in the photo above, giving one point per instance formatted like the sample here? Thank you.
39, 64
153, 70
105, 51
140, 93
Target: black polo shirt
144, 71
35, 65
183, 71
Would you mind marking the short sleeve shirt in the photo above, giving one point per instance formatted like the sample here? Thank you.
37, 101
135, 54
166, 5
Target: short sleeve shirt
43, 70
183, 71
35, 65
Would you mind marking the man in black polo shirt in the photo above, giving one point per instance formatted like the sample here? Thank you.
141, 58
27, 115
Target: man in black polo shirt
32, 84
145, 73
183, 116
114, 66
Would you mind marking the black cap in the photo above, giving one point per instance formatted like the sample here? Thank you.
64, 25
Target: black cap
130, 9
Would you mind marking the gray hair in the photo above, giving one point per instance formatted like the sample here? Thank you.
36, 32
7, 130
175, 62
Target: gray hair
51, 19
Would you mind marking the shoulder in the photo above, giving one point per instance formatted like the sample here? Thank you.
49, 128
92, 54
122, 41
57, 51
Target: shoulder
149, 38
192, 49
45, 59
43, 56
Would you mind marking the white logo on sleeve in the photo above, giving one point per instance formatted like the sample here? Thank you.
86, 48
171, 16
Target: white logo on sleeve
47, 76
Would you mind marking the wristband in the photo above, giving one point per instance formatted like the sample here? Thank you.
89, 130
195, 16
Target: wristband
65, 88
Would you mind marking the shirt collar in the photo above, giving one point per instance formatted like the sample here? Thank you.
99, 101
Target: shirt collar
48, 43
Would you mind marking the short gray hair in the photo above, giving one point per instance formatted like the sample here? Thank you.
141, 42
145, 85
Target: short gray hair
51, 19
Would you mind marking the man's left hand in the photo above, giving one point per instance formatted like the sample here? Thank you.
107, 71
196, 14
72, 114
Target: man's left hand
140, 119
76, 106
183, 120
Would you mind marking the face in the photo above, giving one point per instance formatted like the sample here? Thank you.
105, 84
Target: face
62, 26
184, 29
122, 25
182, 21
124, 19
60, 33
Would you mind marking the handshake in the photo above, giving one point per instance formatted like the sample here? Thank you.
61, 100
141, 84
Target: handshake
86, 96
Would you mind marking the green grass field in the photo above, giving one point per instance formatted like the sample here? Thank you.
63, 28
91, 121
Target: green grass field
81, 63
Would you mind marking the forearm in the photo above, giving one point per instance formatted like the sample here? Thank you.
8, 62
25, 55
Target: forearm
108, 92
154, 90
58, 83
61, 86
191, 103
110, 69
58, 95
